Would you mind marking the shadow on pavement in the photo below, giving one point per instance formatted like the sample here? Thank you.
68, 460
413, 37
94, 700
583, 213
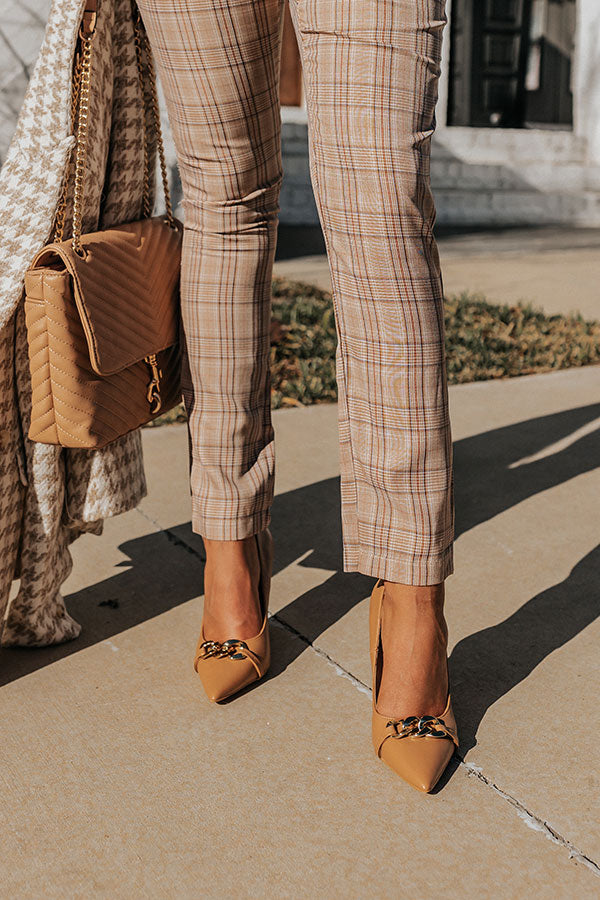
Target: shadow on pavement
165, 569
488, 664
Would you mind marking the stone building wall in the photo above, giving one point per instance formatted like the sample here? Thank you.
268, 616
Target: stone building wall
480, 176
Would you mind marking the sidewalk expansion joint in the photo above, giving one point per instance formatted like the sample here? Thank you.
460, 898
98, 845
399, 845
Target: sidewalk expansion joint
344, 673
530, 819
533, 821
170, 536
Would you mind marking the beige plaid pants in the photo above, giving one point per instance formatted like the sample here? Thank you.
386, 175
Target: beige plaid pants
370, 70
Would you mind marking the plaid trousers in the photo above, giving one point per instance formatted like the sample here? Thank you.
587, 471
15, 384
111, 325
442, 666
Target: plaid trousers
370, 72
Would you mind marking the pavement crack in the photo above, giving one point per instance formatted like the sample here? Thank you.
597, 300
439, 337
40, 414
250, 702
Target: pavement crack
533, 821
170, 535
530, 819
340, 670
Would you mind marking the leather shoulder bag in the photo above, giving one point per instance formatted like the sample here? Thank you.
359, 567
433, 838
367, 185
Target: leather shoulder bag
102, 309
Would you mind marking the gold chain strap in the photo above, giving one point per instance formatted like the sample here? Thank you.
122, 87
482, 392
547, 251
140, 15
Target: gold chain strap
142, 46
80, 99
86, 33
59, 225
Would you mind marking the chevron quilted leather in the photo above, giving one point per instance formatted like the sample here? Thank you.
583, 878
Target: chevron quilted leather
92, 321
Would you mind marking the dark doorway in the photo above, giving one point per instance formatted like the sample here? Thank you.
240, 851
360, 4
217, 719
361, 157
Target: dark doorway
510, 63
548, 91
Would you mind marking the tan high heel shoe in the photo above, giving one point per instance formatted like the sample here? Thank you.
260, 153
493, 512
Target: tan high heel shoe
229, 666
418, 748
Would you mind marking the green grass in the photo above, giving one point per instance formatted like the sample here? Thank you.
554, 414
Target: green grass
483, 340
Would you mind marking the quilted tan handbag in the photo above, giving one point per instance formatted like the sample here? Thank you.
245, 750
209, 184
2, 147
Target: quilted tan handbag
102, 309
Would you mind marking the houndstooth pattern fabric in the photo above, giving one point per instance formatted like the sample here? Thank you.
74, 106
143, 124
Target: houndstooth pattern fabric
32, 174
49, 496
370, 70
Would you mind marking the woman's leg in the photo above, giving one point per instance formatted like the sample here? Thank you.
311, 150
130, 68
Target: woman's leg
371, 71
218, 63
219, 67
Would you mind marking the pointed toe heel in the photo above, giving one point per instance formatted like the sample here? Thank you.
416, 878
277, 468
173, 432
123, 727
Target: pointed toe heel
227, 667
417, 748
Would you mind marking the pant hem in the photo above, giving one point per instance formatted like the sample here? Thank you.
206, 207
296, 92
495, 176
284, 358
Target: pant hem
405, 570
229, 529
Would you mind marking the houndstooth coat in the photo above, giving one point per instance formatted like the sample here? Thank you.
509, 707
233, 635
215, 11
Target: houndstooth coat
48, 495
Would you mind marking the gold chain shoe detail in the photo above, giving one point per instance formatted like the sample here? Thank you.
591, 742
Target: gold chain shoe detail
417, 748
420, 726
232, 649
252, 656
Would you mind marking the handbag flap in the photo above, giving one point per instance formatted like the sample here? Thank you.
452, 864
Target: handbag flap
126, 287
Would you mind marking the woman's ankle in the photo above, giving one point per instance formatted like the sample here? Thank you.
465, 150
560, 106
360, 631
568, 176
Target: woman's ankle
417, 602
416, 594
414, 641
231, 589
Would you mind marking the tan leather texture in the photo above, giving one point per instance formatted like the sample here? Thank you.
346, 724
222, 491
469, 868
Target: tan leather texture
224, 674
419, 759
91, 321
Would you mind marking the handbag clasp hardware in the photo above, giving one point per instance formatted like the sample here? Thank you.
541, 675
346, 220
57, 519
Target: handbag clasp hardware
89, 19
153, 393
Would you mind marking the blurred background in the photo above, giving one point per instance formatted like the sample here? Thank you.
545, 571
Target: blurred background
515, 159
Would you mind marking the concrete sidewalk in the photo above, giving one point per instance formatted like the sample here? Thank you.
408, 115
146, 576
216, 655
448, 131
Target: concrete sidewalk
555, 268
120, 780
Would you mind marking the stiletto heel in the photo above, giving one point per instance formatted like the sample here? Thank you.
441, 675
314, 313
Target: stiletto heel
226, 667
417, 748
